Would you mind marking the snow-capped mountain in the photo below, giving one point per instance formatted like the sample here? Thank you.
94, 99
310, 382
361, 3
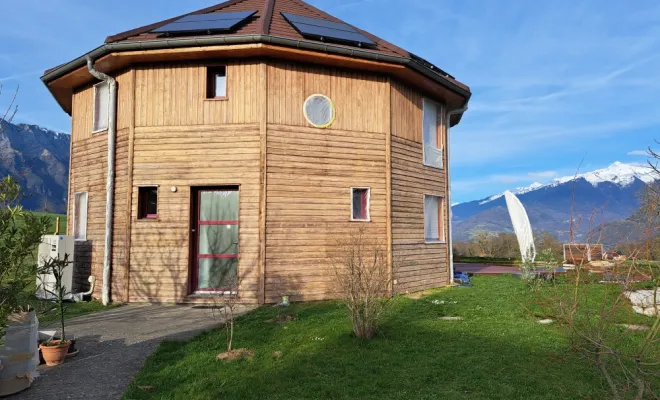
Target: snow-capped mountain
40, 159
612, 192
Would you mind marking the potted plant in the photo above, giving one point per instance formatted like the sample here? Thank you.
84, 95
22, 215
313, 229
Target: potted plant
54, 351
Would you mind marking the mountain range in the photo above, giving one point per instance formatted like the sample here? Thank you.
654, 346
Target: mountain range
605, 198
600, 202
39, 158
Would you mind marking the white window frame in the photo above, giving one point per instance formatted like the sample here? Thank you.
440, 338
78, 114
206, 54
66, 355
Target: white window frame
75, 213
107, 123
442, 238
368, 189
440, 117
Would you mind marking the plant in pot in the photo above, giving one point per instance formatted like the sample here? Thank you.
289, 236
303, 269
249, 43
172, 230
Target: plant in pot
54, 351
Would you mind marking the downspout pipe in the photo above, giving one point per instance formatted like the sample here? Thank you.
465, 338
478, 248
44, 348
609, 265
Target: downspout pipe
110, 179
451, 240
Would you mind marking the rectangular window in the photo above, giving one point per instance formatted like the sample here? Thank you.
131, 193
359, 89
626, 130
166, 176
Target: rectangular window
80, 216
360, 198
148, 202
216, 82
101, 106
434, 227
432, 125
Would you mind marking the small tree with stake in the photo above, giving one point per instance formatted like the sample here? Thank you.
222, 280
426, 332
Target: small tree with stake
54, 351
58, 292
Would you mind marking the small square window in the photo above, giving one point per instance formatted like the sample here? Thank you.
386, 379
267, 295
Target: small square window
101, 107
148, 203
360, 198
216, 82
434, 227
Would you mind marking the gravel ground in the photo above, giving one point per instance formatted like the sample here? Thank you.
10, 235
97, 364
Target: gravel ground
113, 347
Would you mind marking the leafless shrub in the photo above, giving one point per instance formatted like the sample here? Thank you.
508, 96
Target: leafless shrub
364, 279
224, 305
10, 112
591, 305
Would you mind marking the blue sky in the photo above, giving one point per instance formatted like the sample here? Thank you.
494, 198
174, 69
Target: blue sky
552, 82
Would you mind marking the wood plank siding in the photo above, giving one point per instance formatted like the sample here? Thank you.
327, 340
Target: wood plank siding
88, 171
420, 265
310, 173
294, 180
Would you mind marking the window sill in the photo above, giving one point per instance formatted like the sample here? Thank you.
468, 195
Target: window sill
217, 99
435, 241
360, 220
100, 131
80, 240
147, 219
434, 167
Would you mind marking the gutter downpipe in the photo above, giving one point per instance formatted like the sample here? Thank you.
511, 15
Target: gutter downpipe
451, 241
110, 180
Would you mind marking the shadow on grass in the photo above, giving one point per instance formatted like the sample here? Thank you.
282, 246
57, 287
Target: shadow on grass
496, 352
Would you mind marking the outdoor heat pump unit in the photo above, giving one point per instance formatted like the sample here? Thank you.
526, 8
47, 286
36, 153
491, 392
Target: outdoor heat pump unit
54, 246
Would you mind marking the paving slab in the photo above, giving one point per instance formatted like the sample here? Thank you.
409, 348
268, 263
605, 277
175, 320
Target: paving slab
113, 347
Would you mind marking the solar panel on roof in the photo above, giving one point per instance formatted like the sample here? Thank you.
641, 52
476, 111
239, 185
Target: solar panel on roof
327, 30
212, 22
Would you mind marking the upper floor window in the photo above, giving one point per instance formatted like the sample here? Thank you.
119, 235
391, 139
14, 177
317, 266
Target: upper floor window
360, 198
80, 216
101, 106
148, 202
216, 82
432, 134
434, 227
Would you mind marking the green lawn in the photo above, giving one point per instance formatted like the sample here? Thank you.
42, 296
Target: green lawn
498, 351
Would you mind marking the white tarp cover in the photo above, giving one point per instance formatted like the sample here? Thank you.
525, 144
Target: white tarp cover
432, 156
521, 227
19, 355
319, 110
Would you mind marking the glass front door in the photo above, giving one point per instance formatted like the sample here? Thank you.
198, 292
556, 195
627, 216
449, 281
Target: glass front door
216, 240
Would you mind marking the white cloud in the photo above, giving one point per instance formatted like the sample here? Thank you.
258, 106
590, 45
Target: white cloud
638, 153
543, 174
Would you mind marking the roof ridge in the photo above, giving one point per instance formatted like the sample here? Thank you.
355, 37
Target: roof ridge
146, 28
381, 41
267, 16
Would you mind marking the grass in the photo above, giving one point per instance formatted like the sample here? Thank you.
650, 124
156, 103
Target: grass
499, 351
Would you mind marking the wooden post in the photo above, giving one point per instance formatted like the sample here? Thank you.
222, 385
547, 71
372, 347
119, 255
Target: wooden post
263, 131
388, 186
129, 193
57, 225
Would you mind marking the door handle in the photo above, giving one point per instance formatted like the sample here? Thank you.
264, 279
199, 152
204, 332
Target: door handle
192, 230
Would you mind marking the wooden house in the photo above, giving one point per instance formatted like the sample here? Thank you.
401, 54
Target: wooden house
246, 138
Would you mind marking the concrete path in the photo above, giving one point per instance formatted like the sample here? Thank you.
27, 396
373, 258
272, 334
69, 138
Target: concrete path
484, 269
113, 347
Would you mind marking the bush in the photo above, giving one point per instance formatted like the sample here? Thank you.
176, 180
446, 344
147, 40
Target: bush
364, 280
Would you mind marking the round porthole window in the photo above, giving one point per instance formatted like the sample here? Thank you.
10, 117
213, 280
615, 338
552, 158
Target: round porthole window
319, 111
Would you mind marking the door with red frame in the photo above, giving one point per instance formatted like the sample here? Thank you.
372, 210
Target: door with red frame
215, 240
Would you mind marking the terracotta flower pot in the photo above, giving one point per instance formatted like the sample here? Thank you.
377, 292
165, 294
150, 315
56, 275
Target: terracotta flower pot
54, 355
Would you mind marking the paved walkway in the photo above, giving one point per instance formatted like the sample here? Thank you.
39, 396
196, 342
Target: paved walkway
484, 269
113, 347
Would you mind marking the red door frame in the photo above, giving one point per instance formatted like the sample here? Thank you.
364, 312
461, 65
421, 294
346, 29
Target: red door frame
195, 223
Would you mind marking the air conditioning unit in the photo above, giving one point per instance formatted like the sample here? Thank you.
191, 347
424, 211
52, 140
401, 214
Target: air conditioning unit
54, 247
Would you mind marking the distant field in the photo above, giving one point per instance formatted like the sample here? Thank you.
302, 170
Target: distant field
53, 220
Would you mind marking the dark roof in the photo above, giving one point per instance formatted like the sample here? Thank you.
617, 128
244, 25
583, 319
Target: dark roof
267, 26
267, 21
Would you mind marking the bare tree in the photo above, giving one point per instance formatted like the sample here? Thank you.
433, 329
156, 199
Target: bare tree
364, 280
225, 306
10, 112
590, 308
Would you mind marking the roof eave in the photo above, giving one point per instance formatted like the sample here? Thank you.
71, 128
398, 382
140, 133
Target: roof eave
108, 48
